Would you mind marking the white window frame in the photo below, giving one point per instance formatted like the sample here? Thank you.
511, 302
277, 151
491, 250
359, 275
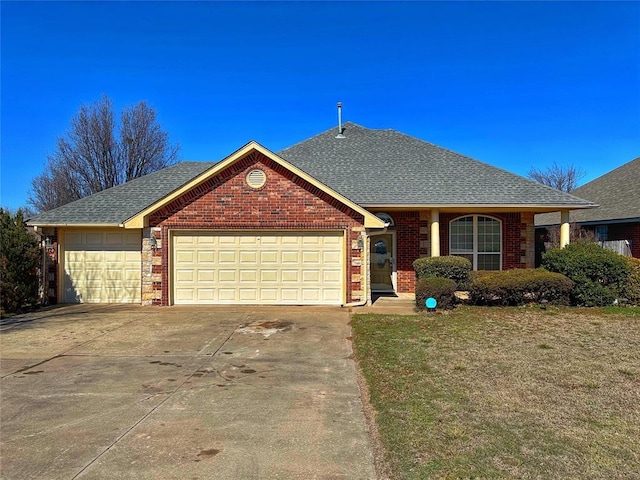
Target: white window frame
475, 239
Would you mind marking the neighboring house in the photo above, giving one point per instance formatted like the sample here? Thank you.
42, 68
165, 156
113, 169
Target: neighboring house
618, 216
327, 221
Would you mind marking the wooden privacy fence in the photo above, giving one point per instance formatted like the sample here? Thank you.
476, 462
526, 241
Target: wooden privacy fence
623, 247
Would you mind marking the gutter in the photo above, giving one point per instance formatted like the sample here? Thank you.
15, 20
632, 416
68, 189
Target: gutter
78, 225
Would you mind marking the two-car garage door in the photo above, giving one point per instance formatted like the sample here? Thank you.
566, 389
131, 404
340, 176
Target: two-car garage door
258, 268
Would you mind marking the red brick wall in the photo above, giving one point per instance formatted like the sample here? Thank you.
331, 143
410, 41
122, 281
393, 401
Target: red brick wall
408, 237
285, 202
408, 248
512, 240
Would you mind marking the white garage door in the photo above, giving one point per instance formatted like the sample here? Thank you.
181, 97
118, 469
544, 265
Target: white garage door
258, 268
102, 266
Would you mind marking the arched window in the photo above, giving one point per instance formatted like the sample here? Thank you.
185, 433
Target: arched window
479, 239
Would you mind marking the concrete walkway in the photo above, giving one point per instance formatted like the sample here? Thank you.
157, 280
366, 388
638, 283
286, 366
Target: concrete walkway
186, 393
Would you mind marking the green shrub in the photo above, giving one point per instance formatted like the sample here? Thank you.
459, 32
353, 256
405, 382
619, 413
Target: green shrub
518, 287
440, 288
451, 267
600, 275
632, 288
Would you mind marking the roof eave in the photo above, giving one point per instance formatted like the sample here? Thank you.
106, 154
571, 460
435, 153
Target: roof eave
536, 208
610, 221
80, 225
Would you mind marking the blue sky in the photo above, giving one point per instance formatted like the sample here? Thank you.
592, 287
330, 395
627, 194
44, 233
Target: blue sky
514, 84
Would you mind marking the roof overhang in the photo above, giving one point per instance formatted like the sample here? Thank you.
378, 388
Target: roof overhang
479, 208
590, 223
74, 225
141, 219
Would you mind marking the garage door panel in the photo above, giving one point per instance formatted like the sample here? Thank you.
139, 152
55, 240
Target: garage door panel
227, 257
228, 295
311, 257
206, 294
289, 256
331, 295
102, 266
310, 276
268, 257
290, 276
274, 268
248, 276
268, 295
206, 276
184, 294
331, 276
268, 276
227, 276
331, 258
206, 256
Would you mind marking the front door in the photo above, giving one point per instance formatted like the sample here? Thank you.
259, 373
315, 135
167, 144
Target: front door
382, 263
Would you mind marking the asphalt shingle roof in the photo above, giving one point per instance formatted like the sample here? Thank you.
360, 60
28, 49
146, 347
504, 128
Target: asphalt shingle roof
369, 167
117, 204
386, 167
617, 193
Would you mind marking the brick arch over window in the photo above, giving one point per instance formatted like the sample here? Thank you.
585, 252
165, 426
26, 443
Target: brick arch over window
477, 238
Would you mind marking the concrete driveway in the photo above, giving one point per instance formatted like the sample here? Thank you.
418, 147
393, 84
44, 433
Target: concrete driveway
181, 392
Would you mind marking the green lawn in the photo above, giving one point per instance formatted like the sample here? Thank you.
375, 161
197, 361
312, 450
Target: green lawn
505, 392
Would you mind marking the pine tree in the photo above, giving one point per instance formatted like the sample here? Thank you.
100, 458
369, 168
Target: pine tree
19, 263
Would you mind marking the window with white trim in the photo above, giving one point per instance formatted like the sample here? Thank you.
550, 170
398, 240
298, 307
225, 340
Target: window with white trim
479, 239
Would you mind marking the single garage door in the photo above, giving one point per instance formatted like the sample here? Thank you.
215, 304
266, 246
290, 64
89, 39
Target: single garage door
258, 268
102, 266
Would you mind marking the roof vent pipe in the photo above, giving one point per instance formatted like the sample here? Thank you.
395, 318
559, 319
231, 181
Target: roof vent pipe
340, 135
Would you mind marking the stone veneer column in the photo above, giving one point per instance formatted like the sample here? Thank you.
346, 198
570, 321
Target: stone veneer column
528, 235
357, 260
425, 244
149, 259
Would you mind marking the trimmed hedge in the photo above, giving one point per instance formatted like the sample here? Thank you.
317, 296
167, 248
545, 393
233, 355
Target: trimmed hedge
519, 287
451, 267
440, 288
632, 288
600, 275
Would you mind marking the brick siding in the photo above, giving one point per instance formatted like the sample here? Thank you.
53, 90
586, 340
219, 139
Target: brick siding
285, 202
413, 239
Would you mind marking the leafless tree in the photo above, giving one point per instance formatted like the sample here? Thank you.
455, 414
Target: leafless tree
97, 153
576, 234
557, 176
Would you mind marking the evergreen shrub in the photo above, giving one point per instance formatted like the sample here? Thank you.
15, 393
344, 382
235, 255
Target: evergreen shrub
519, 287
600, 275
440, 288
451, 267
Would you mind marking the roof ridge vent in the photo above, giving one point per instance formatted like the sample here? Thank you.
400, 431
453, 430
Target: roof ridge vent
340, 129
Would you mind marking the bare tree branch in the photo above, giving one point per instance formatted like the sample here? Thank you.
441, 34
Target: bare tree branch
97, 153
558, 177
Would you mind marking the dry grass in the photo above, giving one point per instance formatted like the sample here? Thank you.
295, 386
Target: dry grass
505, 393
